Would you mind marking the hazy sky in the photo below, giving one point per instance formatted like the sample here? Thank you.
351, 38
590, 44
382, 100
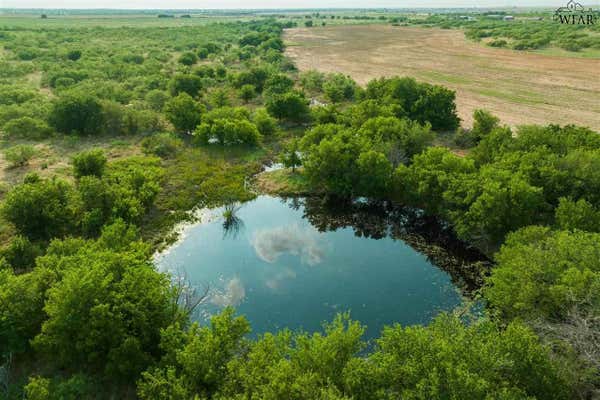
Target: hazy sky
228, 4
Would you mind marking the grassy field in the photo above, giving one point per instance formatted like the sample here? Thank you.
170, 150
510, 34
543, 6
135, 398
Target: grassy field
519, 87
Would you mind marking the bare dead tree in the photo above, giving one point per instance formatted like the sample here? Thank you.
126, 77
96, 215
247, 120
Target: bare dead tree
187, 296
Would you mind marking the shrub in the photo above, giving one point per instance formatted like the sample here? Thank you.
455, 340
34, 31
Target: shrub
185, 83
74, 55
498, 43
570, 45
483, 124
291, 106
164, 145
27, 128
183, 112
266, 125
91, 162
247, 92
77, 113
227, 132
338, 87
312, 80
545, 273
19, 155
40, 209
188, 58
156, 99
202, 53
21, 253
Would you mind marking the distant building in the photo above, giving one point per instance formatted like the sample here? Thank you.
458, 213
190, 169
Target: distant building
508, 18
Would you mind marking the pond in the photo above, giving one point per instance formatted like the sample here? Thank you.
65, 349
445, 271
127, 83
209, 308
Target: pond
296, 263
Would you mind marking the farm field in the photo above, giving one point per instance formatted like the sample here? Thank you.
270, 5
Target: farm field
518, 87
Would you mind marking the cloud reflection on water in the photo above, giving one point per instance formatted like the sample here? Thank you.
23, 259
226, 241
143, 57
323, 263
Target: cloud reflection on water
270, 244
274, 283
232, 295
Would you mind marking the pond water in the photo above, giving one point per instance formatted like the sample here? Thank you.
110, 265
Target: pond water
295, 263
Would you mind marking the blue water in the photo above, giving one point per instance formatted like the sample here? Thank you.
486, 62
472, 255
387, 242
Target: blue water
279, 271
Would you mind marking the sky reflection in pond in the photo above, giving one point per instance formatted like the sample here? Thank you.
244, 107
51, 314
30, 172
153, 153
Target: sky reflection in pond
281, 271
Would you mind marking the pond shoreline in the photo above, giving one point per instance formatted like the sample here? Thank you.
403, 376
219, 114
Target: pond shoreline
427, 235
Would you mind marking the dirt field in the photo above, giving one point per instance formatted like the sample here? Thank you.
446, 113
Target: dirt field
519, 87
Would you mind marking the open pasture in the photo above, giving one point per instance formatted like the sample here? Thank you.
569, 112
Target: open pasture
518, 87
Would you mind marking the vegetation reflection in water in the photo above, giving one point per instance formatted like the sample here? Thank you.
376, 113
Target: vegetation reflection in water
295, 263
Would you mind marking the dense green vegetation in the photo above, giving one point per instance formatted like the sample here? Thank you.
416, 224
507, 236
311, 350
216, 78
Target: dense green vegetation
84, 313
527, 31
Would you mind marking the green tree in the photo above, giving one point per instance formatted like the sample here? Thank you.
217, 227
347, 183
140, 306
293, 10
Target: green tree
430, 175
278, 84
27, 128
40, 209
339, 87
580, 214
291, 106
156, 99
185, 83
436, 105
74, 55
332, 163
545, 273
291, 158
183, 112
448, 360
484, 123
90, 162
494, 203
201, 360
22, 300
247, 92
21, 253
79, 113
266, 125
188, 58
375, 172
227, 132
106, 313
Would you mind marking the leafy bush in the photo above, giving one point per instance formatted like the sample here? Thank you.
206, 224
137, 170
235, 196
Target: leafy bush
338, 87
89, 163
227, 132
202, 54
498, 43
74, 55
312, 80
247, 92
545, 273
185, 83
27, 128
445, 359
78, 113
188, 58
266, 125
21, 253
40, 209
420, 101
19, 155
164, 145
183, 112
291, 106
156, 99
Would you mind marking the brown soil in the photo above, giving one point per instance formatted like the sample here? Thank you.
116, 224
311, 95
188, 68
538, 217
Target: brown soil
518, 87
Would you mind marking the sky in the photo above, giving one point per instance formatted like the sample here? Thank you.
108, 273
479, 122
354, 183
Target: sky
278, 4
